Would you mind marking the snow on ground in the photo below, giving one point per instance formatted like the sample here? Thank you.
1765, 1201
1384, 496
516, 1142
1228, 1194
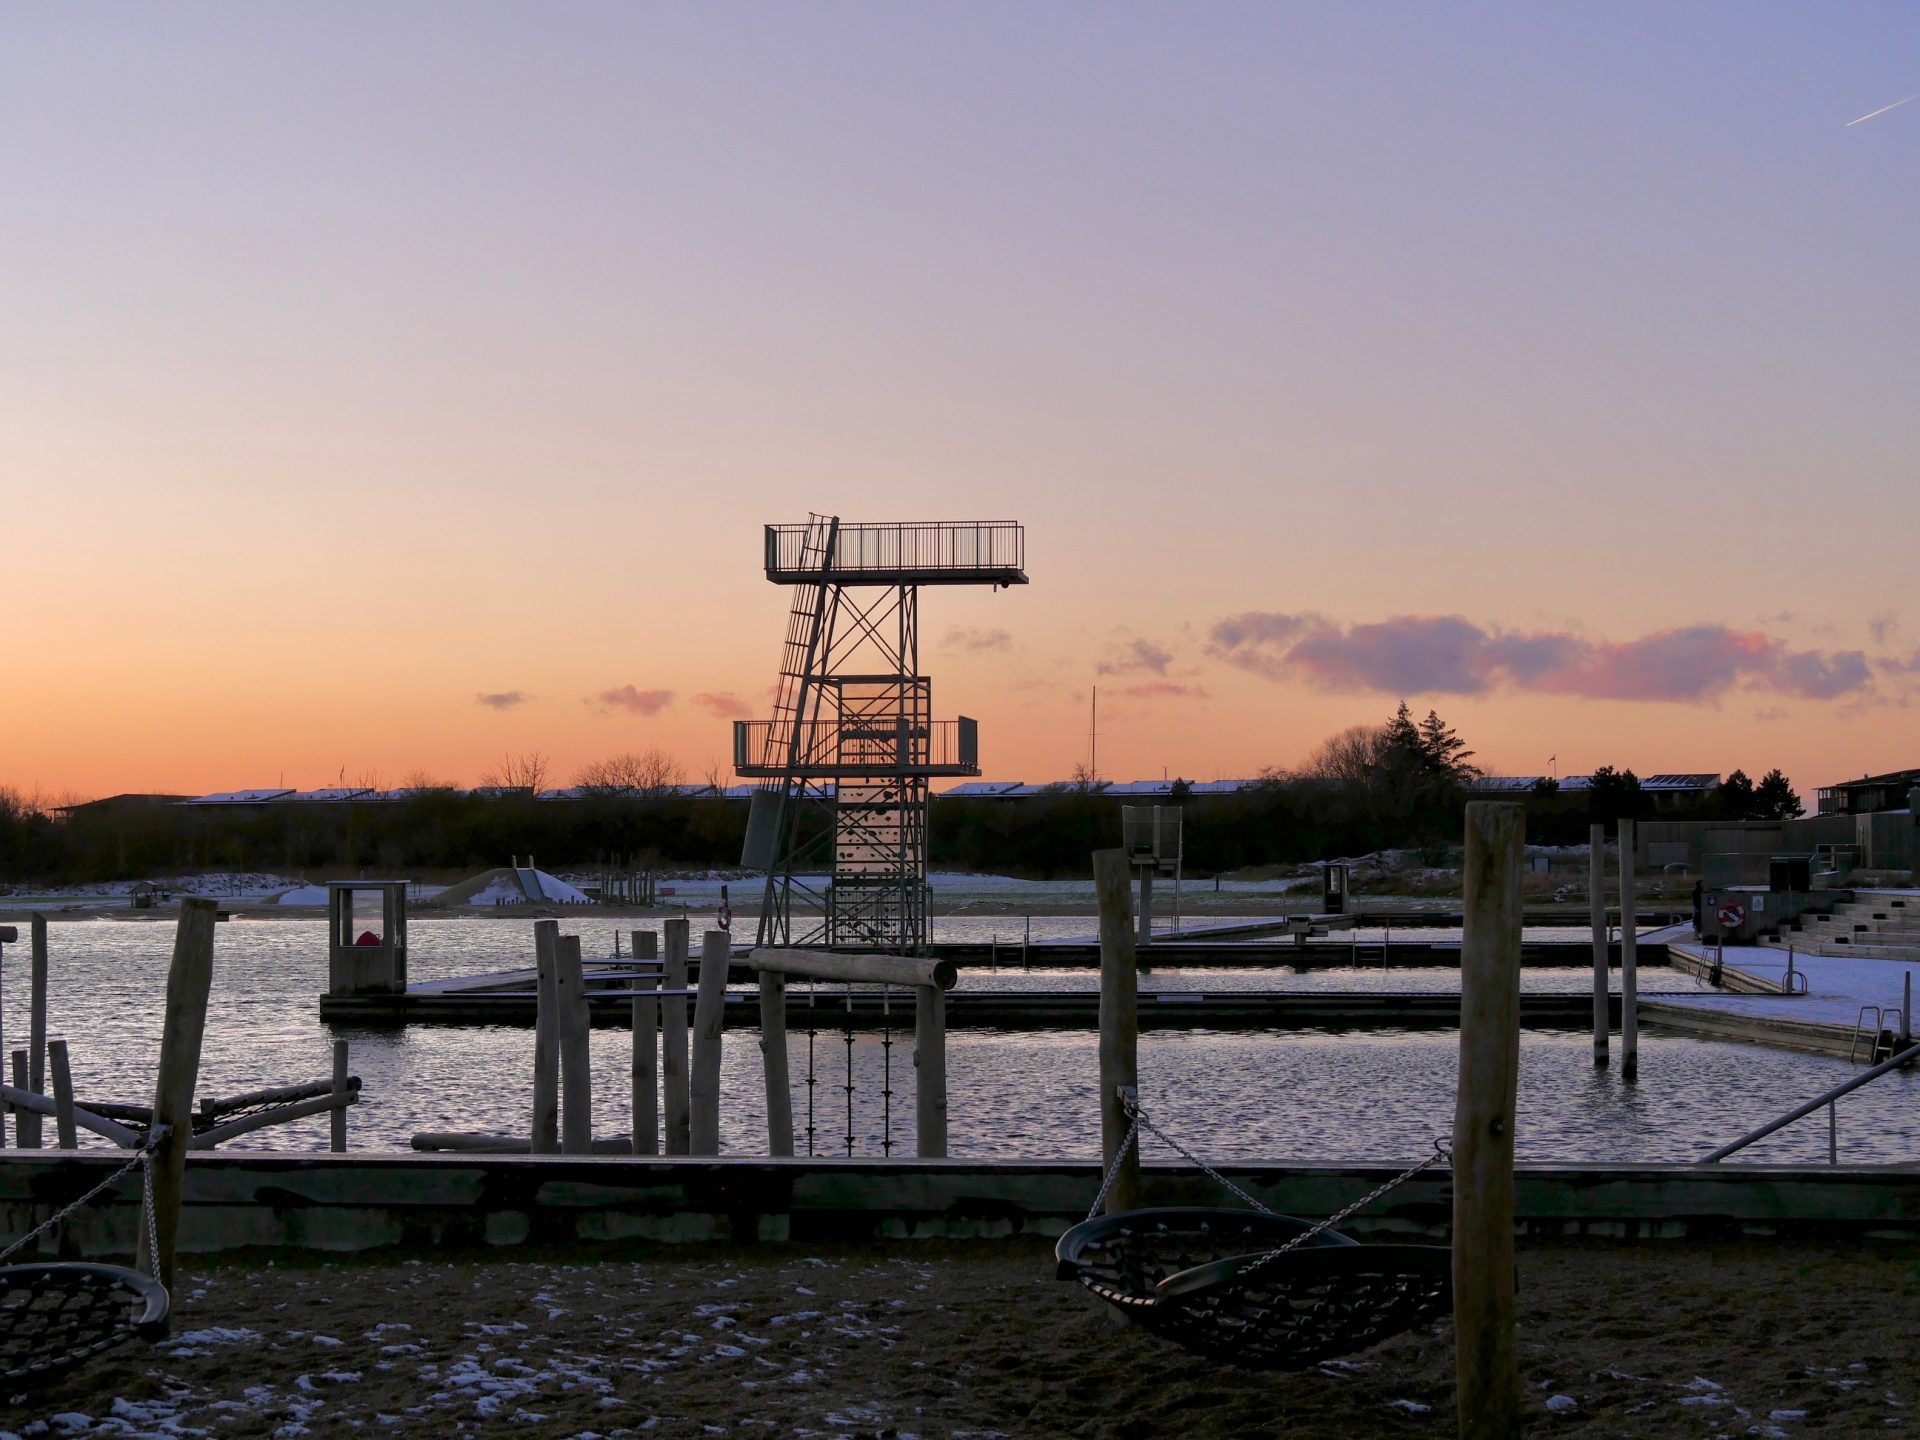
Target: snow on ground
222, 885
1837, 986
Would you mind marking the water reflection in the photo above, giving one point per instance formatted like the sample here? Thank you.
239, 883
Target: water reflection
1372, 1095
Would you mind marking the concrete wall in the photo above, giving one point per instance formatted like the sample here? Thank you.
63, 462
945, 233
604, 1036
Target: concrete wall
415, 1203
1885, 840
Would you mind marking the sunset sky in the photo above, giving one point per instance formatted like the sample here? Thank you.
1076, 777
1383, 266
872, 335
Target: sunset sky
388, 388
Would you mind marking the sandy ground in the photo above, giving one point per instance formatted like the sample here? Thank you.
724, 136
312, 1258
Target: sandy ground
1752, 1338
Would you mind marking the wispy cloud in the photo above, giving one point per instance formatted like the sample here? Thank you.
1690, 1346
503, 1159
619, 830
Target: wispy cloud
974, 640
1165, 690
636, 702
1883, 625
501, 699
1137, 654
1449, 655
723, 705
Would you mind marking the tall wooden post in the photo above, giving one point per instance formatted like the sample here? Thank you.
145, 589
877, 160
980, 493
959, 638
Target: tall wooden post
1119, 1023
930, 1071
576, 1063
545, 1139
646, 1049
62, 1076
189, 980
337, 1117
673, 1035
1597, 914
1629, 957
36, 1033
773, 1051
1488, 1376
709, 1024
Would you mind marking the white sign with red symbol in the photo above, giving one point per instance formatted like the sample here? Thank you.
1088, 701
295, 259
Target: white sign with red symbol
1731, 915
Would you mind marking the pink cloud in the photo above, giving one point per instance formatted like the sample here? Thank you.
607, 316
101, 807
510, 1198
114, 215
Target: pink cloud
1137, 655
1449, 655
1165, 690
723, 705
637, 702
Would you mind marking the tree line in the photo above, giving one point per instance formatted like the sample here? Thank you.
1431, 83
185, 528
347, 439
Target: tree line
1399, 784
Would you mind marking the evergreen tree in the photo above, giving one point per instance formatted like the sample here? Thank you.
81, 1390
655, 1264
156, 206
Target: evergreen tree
1735, 800
1446, 753
1774, 798
1613, 794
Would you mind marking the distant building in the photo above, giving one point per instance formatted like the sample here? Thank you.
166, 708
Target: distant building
1664, 792
1869, 795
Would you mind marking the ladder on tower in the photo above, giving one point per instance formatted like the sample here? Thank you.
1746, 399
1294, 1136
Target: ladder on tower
804, 622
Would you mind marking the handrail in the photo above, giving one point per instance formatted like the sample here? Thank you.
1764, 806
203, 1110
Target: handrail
1905, 1057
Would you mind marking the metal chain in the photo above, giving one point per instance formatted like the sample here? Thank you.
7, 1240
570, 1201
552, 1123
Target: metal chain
1441, 1151
142, 1159
1194, 1159
1113, 1170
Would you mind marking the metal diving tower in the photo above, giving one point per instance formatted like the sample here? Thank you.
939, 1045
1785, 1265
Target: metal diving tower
841, 826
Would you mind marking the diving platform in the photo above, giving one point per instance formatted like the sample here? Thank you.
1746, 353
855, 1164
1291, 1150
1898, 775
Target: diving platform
911, 552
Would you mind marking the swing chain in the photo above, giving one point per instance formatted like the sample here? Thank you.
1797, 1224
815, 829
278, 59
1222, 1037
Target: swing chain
142, 1160
1441, 1151
1130, 1102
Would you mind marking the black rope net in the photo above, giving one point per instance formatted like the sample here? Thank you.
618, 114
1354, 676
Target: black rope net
1232, 1298
54, 1317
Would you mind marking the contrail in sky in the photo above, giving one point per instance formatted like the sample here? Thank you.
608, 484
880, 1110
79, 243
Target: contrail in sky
1881, 111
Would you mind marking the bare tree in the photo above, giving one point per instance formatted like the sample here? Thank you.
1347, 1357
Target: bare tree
1352, 756
638, 772
519, 772
420, 780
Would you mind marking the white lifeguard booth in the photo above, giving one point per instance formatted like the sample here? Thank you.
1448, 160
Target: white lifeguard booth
1151, 836
366, 937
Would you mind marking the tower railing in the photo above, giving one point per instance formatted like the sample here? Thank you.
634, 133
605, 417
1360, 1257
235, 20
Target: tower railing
859, 746
923, 551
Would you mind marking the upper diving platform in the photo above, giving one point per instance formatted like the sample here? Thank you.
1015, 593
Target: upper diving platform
910, 552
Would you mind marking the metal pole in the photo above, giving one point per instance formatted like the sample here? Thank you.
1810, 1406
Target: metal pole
1833, 1132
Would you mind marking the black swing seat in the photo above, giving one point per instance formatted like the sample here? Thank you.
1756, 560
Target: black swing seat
1201, 1278
53, 1317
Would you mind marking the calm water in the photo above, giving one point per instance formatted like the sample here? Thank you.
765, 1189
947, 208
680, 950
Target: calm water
1374, 1095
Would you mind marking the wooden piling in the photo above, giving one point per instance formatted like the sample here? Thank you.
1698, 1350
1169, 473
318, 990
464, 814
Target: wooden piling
1487, 1373
773, 1051
30, 1137
1629, 957
930, 1071
545, 1134
646, 1050
64, 1130
188, 981
673, 1036
337, 1117
1597, 913
709, 1021
576, 1062
1119, 1024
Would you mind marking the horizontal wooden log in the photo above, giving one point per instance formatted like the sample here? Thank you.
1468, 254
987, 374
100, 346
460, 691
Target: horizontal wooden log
273, 1095
85, 1119
480, 1143
861, 969
207, 1139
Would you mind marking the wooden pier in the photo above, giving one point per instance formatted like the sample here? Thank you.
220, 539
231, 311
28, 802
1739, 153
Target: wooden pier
832, 1008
